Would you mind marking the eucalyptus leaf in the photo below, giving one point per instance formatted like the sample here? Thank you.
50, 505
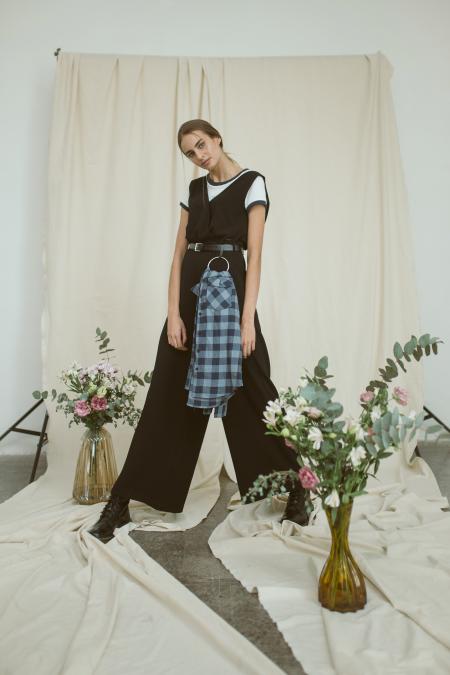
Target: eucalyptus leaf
371, 448
323, 362
386, 420
398, 351
419, 420
379, 441
418, 353
393, 432
395, 417
409, 348
386, 438
424, 340
379, 384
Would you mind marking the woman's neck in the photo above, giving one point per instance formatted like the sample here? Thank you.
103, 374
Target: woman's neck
222, 171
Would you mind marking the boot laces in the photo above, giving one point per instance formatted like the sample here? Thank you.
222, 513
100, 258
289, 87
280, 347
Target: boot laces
113, 506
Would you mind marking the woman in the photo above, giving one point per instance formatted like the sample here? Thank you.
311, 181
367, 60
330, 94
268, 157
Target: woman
226, 207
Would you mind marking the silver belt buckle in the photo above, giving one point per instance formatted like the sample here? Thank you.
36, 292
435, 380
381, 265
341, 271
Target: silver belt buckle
195, 246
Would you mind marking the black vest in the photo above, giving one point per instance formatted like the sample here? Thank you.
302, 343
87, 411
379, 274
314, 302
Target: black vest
224, 218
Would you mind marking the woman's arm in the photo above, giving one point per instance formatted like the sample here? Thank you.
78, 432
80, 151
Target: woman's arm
176, 331
256, 222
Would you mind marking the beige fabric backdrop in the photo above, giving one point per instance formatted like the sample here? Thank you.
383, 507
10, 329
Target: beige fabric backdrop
337, 275
337, 279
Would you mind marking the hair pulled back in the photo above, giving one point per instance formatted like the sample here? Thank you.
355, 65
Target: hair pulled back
200, 125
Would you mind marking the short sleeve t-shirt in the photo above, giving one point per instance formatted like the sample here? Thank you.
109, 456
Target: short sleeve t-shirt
256, 194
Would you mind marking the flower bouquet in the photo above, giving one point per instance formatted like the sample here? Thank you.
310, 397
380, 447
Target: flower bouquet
102, 396
337, 455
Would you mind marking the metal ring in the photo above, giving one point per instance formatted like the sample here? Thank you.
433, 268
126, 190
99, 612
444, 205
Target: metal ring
220, 256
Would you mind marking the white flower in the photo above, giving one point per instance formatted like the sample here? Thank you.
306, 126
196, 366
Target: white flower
353, 427
303, 381
315, 435
300, 402
332, 499
357, 455
292, 416
376, 413
348, 424
412, 414
270, 413
269, 417
274, 405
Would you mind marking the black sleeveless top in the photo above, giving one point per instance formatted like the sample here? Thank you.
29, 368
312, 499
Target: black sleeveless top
224, 219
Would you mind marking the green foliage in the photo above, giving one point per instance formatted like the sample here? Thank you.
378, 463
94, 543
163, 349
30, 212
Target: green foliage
341, 454
120, 400
269, 485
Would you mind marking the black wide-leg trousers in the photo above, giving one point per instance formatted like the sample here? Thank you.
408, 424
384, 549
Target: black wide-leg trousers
166, 443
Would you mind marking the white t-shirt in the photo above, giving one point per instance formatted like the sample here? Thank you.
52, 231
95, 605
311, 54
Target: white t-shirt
256, 193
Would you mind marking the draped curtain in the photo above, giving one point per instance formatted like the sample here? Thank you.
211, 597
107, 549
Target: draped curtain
337, 273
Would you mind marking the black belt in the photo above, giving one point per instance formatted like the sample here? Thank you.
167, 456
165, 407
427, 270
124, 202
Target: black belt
209, 246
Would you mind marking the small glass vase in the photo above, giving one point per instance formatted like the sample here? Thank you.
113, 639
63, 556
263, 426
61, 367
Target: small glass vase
341, 584
96, 470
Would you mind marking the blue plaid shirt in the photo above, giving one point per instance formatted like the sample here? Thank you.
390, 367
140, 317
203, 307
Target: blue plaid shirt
215, 369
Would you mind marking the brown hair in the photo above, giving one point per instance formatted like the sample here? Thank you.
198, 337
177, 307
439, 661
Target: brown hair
200, 125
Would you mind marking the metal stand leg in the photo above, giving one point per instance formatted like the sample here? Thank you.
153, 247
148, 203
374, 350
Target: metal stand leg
43, 438
431, 415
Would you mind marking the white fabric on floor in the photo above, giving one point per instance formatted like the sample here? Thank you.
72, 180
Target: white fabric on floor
337, 279
402, 544
72, 605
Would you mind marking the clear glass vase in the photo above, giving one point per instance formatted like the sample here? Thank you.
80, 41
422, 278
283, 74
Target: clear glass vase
96, 470
341, 584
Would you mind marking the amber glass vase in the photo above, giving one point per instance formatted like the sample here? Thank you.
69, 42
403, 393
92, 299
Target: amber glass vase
96, 469
341, 584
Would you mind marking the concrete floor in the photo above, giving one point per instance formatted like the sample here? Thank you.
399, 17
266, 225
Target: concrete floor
186, 555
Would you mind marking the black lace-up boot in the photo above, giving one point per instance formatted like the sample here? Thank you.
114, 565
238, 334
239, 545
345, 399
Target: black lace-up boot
295, 508
114, 514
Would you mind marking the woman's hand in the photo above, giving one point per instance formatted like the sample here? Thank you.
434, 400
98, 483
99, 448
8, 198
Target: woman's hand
176, 332
248, 336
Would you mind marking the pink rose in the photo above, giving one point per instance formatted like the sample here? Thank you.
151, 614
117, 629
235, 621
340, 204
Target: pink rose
289, 444
366, 396
82, 408
308, 478
400, 395
99, 403
313, 412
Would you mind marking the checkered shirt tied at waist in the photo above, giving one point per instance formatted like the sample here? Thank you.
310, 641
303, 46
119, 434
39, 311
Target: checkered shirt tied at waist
215, 368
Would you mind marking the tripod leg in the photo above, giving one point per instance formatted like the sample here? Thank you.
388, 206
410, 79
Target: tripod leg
39, 446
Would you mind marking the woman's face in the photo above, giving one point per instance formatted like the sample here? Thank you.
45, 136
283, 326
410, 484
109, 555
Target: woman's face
201, 149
